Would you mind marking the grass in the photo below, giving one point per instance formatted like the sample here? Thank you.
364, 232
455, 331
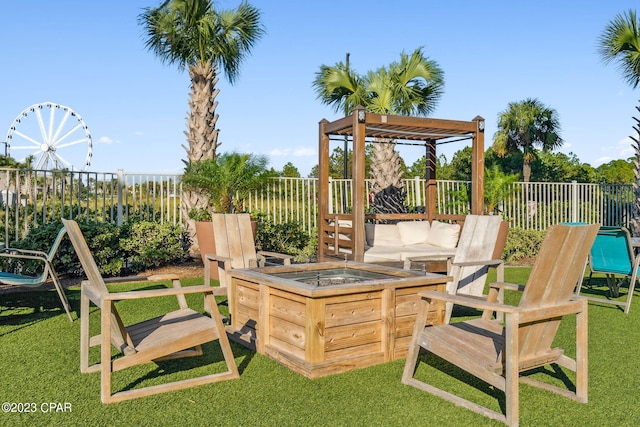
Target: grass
39, 364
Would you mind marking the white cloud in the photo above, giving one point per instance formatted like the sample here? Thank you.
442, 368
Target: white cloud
625, 148
295, 152
305, 152
107, 140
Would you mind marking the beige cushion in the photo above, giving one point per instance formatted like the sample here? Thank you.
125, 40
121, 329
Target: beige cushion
443, 234
382, 234
413, 232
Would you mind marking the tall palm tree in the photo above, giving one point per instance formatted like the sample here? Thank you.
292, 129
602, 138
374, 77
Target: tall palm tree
195, 36
411, 86
524, 126
620, 42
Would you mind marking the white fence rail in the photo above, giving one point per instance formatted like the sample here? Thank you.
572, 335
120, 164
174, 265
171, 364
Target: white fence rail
30, 198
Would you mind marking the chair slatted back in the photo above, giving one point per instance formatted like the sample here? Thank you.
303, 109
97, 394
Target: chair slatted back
234, 239
119, 336
477, 243
612, 251
558, 266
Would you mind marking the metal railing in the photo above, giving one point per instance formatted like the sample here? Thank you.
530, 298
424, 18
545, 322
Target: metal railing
32, 197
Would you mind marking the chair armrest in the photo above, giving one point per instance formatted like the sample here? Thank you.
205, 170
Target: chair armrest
33, 255
574, 305
152, 293
468, 301
17, 251
489, 262
508, 286
434, 257
216, 258
285, 257
208, 259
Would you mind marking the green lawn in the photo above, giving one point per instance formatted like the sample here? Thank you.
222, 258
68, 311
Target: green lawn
39, 365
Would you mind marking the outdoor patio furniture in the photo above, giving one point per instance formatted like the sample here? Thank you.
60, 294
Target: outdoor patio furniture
35, 281
503, 354
612, 254
479, 248
235, 248
179, 333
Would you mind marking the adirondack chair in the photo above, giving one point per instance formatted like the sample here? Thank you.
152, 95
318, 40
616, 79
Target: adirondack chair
39, 280
612, 254
479, 248
180, 333
498, 354
235, 248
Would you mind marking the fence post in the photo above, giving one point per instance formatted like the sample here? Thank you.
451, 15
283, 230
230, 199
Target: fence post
574, 201
416, 192
120, 207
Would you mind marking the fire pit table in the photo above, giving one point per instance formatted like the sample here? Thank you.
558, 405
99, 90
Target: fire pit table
325, 318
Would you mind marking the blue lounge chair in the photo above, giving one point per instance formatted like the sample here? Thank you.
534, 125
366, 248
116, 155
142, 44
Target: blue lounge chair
613, 255
8, 278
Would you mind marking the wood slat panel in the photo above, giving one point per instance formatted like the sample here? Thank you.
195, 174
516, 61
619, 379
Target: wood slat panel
352, 335
288, 332
284, 308
353, 312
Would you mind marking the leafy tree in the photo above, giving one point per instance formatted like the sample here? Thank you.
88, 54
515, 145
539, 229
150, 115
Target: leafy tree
525, 125
620, 42
561, 167
228, 180
616, 172
411, 86
498, 187
290, 171
193, 35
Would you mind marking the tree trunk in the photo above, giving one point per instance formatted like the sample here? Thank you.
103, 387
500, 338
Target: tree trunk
386, 171
526, 170
202, 134
634, 223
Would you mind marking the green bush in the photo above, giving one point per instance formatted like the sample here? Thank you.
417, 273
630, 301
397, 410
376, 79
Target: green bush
150, 244
287, 238
118, 250
522, 246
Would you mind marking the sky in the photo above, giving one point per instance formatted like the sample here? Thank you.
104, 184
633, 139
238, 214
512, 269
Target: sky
90, 56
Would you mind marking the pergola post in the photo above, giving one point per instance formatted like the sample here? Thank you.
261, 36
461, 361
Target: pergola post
323, 180
358, 175
477, 168
430, 184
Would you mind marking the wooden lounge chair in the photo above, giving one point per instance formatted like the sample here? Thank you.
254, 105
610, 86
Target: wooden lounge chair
480, 248
46, 259
235, 248
612, 255
177, 334
498, 354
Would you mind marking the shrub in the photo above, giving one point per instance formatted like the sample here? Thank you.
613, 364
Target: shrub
150, 244
522, 245
287, 238
129, 248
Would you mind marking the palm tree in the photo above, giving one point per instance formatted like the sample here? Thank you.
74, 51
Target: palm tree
523, 126
411, 86
620, 41
193, 35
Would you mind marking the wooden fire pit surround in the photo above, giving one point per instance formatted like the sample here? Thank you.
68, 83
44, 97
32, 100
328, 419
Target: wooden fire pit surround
339, 316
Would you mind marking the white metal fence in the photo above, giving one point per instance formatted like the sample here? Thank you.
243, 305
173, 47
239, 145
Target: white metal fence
29, 198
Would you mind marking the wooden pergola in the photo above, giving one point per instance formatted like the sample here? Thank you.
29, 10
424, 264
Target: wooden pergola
340, 234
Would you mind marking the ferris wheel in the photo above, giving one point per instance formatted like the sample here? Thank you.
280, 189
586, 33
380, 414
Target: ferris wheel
54, 134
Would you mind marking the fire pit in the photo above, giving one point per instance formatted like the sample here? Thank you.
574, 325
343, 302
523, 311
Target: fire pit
325, 318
